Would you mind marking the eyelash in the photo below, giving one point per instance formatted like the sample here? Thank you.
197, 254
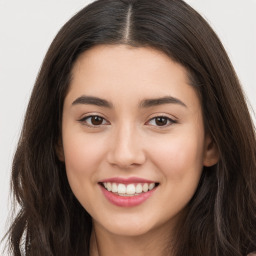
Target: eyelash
85, 119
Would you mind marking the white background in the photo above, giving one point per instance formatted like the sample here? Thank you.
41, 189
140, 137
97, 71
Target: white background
27, 28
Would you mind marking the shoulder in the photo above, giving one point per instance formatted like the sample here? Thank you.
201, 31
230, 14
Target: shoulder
252, 254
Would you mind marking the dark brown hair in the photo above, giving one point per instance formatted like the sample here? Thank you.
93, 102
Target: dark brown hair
221, 217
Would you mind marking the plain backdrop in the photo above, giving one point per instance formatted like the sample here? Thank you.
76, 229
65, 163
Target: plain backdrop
27, 28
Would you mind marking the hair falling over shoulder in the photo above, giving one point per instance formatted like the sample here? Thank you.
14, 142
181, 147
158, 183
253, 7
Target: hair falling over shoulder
221, 217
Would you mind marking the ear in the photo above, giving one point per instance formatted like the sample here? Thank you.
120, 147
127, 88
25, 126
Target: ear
59, 150
211, 152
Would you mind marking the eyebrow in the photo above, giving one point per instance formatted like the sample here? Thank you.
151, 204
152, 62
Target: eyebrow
90, 100
160, 101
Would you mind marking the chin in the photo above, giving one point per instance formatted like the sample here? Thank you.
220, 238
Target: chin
131, 225
129, 230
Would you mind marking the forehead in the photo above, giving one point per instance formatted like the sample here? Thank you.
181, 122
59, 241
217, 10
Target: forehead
119, 58
124, 72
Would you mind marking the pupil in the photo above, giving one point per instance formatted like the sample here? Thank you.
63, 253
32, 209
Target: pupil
96, 120
161, 121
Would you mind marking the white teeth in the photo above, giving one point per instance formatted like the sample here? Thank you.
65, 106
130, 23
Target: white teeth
151, 186
109, 186
145, 187
138, 189
121, 189
129, 189
114, 188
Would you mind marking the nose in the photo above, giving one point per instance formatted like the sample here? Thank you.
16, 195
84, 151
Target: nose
126, 149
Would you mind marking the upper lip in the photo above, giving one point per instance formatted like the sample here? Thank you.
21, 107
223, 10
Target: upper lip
127, 180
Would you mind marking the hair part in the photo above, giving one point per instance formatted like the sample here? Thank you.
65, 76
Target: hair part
127, 30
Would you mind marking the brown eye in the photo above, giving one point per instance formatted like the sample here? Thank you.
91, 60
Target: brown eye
93, 121
96, 120
161, 121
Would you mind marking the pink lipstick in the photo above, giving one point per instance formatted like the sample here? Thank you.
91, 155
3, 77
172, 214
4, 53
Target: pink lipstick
127, 192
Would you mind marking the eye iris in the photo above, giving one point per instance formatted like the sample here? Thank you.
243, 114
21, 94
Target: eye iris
161, 121
96, 120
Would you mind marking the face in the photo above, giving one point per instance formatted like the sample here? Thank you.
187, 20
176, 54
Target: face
133, 140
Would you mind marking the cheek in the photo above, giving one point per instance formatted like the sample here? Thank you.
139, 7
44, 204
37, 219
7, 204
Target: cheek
181, 162
82, 153
82, 158
178, 156
77, 157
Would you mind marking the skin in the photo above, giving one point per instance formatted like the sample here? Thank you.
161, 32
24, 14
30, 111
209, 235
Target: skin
130, 143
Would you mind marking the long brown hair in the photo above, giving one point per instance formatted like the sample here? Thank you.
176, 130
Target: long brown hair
221, 217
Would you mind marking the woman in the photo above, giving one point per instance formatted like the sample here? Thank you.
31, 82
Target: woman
137, 140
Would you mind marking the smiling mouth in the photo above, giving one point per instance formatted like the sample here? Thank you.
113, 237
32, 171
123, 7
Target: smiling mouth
128, 190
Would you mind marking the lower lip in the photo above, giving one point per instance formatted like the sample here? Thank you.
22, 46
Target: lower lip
127, 201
